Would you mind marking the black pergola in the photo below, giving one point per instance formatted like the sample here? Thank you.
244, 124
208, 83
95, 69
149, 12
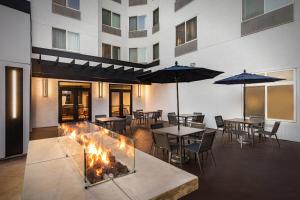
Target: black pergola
84, 72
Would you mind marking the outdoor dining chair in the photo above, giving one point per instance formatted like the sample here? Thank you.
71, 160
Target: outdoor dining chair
198, 118
129, 122
203, 146
160, 114
271, 133
138, 116
119, 126
161, 141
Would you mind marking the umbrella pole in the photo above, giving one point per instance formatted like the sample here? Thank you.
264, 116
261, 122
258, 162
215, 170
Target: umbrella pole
178, 124
244, 106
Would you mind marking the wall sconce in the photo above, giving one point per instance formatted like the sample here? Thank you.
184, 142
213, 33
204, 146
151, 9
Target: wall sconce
100, 89
45, 87
139, 90
14, 94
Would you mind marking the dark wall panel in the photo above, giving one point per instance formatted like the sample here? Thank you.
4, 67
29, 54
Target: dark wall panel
14, 111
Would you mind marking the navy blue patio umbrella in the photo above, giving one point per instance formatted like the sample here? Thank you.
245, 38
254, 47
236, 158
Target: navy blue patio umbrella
247, 78
177, 74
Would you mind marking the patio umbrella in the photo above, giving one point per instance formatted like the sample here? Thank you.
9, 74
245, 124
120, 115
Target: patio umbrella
247, 78
177, 74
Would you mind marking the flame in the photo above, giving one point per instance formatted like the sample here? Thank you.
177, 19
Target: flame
73, 135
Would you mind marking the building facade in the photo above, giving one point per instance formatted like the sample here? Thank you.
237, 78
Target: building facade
229, 36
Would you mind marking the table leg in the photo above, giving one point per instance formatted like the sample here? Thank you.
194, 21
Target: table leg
180, 151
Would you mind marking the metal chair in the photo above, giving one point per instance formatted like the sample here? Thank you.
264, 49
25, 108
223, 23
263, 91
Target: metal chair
160, 114
138, 116
198, 118
172, 118
204, 146
129, 121
119, 126
161, 141
271, 133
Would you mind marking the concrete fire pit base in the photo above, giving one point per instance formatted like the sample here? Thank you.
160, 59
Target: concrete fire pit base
49, 174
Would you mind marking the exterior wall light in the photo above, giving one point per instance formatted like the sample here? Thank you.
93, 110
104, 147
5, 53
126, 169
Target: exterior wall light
14, 94
139, 90
45, 87
100, 89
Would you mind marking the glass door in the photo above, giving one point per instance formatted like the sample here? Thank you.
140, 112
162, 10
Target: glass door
74, 102
115, 104
67, 105
120, 100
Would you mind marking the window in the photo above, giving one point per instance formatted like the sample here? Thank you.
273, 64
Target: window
137, 55
110, 19
137, 23
253, 8
73, 41
133, 55
115, 20
106, 50
116, 53
156, 17
58, 38
74, 4
191, 29
187, 31
109, 51
62, 39
273, 100
156, 51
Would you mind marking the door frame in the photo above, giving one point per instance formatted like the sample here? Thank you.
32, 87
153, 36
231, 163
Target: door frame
75, 90
121, 99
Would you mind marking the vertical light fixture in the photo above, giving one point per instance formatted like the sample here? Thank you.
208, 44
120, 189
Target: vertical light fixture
139, 90
45, 87
14, 94
100, 89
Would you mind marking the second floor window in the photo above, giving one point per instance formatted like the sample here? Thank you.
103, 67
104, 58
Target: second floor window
111, 19
109, 51
67, 40
137, 55
254, 8
156, 51
156, 17
186, 31
74, 4
137, 23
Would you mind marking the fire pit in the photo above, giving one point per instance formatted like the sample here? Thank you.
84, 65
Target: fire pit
99, 154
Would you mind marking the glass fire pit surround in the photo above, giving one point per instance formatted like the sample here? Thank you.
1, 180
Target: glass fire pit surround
99, 154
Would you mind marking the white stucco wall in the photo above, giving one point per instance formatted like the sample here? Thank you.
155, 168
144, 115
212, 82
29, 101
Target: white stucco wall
44, 111
15, 51
221, 47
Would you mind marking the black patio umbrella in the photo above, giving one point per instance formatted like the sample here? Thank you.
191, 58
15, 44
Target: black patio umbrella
247, 78
177, 74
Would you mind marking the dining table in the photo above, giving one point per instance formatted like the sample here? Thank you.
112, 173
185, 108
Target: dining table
108, 120
147, 114
246, 123
180, 133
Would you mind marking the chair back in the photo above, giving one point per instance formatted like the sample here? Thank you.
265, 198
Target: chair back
198, 118
139, 110
207, 141
197, 125
260, 121
155, 115
136, 115
156, 126
197, 113
119, 126
128, 120
275, 127
172, 119
160, 113
219, 121
100, 116
161, 140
